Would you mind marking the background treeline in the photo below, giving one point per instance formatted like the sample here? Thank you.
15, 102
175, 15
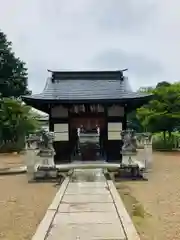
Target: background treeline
16, 119
160, 116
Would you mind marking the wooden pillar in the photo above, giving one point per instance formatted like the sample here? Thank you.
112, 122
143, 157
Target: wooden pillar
51, 124
115, 118
124, 123
58, 122
104, 134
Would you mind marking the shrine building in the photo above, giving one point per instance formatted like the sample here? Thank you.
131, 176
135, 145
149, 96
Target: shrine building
75, 99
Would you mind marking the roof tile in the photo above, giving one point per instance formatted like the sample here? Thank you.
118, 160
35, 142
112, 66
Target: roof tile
96, 87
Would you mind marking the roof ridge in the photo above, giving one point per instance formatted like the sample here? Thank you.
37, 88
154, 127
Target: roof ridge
87, 75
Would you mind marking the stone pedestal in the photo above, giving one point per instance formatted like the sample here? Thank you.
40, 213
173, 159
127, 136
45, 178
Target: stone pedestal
31, 153
30, 163
129, 159
46, 157
148, 153
45, 164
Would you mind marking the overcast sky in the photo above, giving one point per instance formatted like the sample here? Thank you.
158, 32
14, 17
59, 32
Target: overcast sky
141, 35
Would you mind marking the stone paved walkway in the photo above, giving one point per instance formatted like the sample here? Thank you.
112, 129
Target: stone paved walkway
87, 211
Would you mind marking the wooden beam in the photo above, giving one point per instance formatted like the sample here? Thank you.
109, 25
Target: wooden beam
124, 123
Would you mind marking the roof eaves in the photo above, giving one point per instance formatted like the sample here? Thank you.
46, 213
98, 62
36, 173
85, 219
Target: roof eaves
71, 101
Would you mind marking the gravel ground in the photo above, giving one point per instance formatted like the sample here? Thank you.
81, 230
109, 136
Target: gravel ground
22, 205
11, 160
155, 204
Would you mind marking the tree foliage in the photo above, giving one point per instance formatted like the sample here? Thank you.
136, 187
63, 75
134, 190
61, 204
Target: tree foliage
16, 119
13, 73
133, 122
163, 112
17, 115
163, 84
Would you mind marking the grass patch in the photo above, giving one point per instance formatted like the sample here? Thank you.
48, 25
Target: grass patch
134, 208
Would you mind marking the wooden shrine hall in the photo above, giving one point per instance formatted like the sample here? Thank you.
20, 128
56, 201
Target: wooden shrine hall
88, 100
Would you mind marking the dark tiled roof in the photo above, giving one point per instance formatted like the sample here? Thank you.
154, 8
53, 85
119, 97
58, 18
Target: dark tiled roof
98, 86
88, 75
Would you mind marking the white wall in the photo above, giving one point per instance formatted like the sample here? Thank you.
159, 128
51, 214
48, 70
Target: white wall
61, 132
114, 131
115, 128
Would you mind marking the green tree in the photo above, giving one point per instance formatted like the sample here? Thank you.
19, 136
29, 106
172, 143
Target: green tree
16, 121
163, 112
13, 73
133, 122
163, 84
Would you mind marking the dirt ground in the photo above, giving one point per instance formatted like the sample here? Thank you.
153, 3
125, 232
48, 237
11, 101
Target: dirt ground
11, 160
155, 204
22, 205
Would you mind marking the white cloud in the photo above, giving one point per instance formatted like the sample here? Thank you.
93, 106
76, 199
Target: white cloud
80, 34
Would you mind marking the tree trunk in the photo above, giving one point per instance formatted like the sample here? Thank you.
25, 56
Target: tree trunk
164, 136
170, 135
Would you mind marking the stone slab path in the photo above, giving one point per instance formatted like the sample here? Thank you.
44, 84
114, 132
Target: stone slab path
86, 209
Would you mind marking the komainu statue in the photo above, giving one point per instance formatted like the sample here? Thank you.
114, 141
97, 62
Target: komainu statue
129, 142
46, 148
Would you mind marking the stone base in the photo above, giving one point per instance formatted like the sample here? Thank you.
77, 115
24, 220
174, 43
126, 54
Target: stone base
45, 174
129, 159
